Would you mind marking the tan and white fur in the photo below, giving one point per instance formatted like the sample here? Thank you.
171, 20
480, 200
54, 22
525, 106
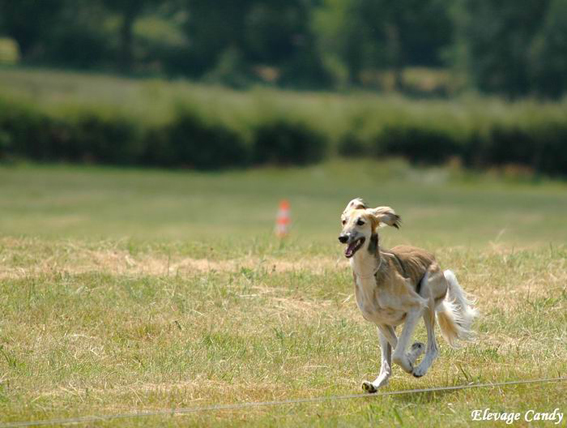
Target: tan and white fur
400, 286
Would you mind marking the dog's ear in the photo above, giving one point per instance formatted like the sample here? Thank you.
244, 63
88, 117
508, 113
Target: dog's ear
385, 216
356, 204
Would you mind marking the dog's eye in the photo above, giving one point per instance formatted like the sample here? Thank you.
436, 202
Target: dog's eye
343, 222
360, 222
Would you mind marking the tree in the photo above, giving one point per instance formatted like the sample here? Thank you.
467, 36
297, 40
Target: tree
361, 34
415, 33
79, 38
496, 37
29, 22
129, 11
235, 37
214, 30
280, 34
344, 42
548, 62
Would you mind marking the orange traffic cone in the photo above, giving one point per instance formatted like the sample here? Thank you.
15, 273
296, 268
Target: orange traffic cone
283, 219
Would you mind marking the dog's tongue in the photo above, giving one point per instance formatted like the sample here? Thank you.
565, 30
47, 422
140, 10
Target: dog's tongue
349, 251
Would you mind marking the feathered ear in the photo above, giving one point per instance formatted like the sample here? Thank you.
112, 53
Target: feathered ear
356, 204
385, 216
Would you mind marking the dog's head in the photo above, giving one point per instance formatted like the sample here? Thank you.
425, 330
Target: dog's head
360, 223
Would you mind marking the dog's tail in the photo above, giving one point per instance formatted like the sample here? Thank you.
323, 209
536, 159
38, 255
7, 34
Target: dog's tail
456, 313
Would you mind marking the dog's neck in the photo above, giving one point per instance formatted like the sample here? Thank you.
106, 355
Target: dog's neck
367, 260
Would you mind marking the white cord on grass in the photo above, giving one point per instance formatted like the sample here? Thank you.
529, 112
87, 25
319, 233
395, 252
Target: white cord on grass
239, 406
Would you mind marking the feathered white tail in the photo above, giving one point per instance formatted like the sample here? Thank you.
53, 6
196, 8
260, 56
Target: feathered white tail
456, 313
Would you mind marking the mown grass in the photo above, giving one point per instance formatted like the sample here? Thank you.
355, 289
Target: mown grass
131, 290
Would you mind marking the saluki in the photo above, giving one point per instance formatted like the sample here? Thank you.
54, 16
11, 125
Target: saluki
398, 287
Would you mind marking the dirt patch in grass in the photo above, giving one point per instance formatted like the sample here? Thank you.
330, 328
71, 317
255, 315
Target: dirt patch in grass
118, 262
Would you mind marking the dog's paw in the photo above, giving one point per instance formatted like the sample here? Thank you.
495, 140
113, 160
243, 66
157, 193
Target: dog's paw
369, 387
419, 371
418, 347
415, 351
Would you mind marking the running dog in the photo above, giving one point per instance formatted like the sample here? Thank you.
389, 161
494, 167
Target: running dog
398, 287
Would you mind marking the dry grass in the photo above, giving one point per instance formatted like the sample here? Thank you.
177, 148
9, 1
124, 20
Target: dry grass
76, 259
115, 336
108, 325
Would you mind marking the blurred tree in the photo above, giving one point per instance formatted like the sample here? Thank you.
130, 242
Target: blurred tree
496, 38
231, 69
360, 34
29, 22
236, 37
80, 38
345, 43
507, 47
129, 11
415, 32
280, 34
549, 52
214, 30
161, 44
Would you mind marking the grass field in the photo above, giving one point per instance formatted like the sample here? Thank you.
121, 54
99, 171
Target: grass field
125, 290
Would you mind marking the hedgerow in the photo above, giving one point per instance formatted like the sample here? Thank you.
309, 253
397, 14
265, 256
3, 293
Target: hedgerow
198, 139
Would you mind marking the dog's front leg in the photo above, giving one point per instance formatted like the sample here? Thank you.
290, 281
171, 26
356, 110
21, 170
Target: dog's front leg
400, 356
386, 359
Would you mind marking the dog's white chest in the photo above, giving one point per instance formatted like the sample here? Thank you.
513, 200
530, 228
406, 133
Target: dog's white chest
365, 298
374, 307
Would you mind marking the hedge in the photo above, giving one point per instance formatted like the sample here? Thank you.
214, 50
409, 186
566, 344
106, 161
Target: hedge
418, 143
188, 140
191, 139
540, 145
287, 142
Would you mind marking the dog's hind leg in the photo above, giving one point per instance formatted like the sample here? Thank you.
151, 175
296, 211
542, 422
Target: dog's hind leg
390, 334
432, 284
386, 364
431, 352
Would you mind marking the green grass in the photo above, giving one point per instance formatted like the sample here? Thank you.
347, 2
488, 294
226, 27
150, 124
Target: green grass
124, 290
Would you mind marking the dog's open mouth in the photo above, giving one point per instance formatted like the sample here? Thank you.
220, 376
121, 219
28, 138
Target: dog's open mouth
353, 247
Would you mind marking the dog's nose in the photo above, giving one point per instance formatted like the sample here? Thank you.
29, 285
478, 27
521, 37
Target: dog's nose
343, 239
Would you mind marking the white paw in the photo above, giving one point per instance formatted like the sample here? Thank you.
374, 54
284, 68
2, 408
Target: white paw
372, 387
369, 387
425, 364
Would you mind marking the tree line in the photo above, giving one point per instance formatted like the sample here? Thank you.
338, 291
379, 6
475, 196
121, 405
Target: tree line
509, 47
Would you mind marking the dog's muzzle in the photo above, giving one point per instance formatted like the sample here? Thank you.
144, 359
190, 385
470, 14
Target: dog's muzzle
354, 243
